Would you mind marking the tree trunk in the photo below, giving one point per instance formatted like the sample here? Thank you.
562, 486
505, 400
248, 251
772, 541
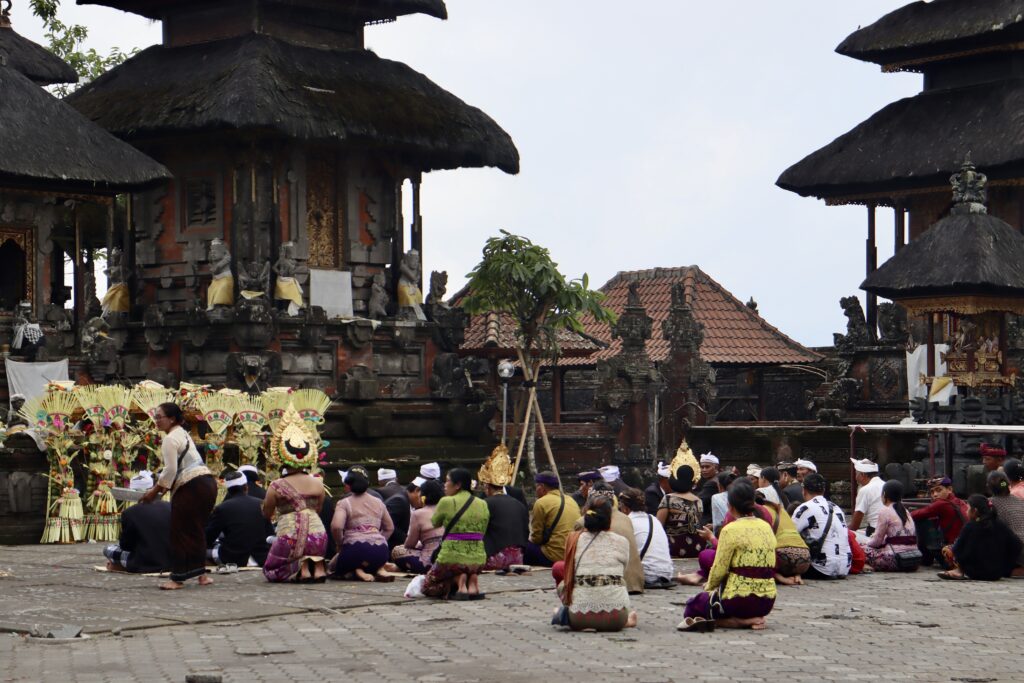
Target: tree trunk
531, 448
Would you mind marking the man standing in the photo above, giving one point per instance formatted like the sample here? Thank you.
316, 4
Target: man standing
586, 480
237, 530
946, 512
253, 476
823, 527
657, 490
869, 496
707, 487
553, 518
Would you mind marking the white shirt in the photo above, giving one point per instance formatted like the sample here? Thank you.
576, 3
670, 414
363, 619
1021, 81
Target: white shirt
869, 502
658, 560
719, 509
810, 520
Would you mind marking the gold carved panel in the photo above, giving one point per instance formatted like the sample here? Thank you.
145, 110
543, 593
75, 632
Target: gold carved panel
322, 211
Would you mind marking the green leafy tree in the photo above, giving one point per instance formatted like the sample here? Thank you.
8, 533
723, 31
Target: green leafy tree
68, 42
518, 278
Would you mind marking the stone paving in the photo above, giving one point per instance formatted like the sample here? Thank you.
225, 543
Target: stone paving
877, 627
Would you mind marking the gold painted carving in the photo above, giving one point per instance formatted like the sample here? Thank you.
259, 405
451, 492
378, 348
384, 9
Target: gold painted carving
321, 212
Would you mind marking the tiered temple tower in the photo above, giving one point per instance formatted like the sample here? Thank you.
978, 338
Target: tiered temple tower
294, 150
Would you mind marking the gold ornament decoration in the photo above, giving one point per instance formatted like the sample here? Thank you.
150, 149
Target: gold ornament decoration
684, 456
497, 470
293, 446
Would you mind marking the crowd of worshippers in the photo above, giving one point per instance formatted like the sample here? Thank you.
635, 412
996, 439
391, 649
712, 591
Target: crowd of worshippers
748, 532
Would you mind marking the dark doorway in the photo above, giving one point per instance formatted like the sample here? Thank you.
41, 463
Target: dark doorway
12, 275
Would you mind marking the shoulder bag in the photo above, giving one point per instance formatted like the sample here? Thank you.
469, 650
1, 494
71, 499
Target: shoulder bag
816, 545
451, 525
549, 531
650, 535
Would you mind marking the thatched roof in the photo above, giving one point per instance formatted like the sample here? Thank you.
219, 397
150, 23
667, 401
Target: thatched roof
47, 144
963, 254
366, 10
32, 60
257, 83
914, 142
940, 27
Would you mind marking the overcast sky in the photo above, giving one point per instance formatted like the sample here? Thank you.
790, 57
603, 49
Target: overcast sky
651, 134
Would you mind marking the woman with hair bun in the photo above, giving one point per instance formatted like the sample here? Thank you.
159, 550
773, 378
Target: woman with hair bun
361, 527
894, 530
593, 594
680, 513
986, 549
740, 588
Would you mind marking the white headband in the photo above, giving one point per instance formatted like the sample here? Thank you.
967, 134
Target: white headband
806, 464
248, 468
708, 459
384, 475
664, 470
864, 466
609, 473
237, 482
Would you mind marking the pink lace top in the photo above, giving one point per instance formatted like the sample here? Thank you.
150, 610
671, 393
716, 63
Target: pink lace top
361, 518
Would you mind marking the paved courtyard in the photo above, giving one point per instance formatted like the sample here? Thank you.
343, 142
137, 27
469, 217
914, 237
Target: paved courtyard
877, 627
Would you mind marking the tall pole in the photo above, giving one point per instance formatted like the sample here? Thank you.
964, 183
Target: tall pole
504, 410
871, 264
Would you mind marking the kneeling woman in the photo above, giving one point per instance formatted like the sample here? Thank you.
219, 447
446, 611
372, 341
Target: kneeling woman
894, 530
593, 592
462, 556
415, 555
361, 527
740, 590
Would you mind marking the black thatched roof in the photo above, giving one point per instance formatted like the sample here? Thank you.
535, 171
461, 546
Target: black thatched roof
32, 60
963, 254
258, 83
47, 144
923, 29
367, 10
913, 142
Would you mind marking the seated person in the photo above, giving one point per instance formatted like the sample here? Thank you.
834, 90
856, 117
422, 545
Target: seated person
986, 550
894, 530
823, 528
361, 527
144, 546
720, 501
253, 475
416, 553
508, 529
680, 513
939, 523
651, 539
792, 558
237, 531
740, 588
621, 525
1009, 509
593, 594
554, 515
858, 558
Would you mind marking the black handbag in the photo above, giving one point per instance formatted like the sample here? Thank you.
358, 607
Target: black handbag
817, 544
908, 560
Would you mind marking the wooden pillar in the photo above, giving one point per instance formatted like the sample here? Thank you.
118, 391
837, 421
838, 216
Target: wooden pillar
871, 264
931, 344
416, 236
79, 275
899, 228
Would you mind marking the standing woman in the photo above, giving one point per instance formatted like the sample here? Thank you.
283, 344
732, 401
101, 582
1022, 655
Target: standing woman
193, 494
740, 589
894, 530
462, 556
680, 513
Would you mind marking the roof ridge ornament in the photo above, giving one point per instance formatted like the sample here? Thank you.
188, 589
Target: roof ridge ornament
5, 14
970, 191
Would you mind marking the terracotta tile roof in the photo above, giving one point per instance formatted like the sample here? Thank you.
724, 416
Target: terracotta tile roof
733, 333
494, 334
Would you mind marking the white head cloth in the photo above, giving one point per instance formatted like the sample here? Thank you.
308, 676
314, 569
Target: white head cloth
248, 468
237, 482
807, 464
430, 471
708, 459
419, 481
864, 466
753, 470
143, 481
609, 473
384, 474
664, 470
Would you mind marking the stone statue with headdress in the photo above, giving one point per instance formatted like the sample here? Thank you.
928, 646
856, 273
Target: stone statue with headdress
287, 289
221, 291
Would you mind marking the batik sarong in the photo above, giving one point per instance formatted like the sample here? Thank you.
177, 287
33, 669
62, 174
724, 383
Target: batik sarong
301, 536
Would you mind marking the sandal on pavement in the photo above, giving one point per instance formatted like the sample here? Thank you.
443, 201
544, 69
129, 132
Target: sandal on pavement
696, 625
951, 577
227, 569
477, 596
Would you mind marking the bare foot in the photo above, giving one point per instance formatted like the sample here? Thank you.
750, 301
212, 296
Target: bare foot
798, 580
205, 580
631, 621
319, 572
390, 567
171, 586
759, 624
693, 579
786, 580
114, 567
363, 576
756, 623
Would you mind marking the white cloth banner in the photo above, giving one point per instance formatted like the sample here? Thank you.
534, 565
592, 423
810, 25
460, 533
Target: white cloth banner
917, 365
30, 379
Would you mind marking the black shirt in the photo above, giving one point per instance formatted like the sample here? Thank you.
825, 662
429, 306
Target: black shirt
653, 496
257, 491
708, 488
396, 500
987, 551
146, 535
508, 526
244, 528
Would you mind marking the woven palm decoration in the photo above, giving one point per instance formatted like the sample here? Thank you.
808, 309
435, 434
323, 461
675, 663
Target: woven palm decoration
65, 515
34, 412
147, 396
188, 393
60, 407
89, 398
117, 402
218, 411
249, 423
275, 402
311, 404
